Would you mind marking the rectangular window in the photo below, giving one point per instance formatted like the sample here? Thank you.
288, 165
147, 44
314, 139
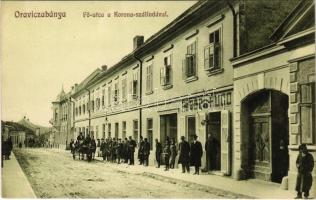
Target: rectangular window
92, 105
135, 130
150, 132
83, 108
116, 131
134, 92
124, 91
109, 95
103, 101
307, 112
190, 61
103, 130
79, 110
149, 78
116, 93
165, 71
212, 52
109, 130
191, 128
123, 129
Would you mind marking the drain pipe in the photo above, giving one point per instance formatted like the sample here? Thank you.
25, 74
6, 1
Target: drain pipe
234, 27
140, 93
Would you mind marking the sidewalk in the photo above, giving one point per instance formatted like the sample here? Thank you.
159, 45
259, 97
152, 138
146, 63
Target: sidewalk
14, 181
252, 187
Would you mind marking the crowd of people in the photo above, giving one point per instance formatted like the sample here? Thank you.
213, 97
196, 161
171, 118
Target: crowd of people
117, 150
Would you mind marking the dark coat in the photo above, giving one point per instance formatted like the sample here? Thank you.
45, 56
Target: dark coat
141, 149
184, 152
146, 149
196, 153
131, 145
305, 165
158, 149
173, 149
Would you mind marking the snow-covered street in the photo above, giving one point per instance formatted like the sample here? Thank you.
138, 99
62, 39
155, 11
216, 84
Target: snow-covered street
54, 174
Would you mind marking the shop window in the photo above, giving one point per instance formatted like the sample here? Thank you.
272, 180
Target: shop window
307, 112
150, 132
109, 130
135, 130
149, 79
165, 71
191, 128
103, 130
189, 64
123, 129
212, 52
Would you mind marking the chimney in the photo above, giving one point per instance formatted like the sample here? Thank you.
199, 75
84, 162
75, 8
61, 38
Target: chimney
104, 67
138, 41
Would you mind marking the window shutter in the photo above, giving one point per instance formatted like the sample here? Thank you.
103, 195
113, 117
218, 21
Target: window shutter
225, 141
162, 75
170, 69
184, 72
206, 57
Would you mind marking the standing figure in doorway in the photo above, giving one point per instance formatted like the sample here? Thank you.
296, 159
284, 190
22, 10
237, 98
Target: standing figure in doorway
305, 165
146, 152
211, 148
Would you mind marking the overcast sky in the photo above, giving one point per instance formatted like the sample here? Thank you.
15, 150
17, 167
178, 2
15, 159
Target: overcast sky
39, 55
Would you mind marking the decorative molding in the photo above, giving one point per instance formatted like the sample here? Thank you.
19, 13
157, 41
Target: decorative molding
135, 67
215, 20
167, 48
149, 58
125, 72
116, 77
191, 34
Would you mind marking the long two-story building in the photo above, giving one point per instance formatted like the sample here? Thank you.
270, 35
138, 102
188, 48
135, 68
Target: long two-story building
204, 73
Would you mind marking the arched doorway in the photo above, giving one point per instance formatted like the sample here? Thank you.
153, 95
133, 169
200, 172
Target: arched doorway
265, 135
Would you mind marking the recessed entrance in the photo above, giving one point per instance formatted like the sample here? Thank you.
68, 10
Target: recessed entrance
265, 135
213, 127
168, 127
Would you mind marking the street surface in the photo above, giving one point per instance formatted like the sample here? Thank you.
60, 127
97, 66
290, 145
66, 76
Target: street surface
54, 174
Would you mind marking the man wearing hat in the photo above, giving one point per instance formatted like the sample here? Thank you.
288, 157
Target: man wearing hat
196, 154
305, 165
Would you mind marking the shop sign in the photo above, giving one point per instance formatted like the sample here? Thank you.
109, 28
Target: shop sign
206, 101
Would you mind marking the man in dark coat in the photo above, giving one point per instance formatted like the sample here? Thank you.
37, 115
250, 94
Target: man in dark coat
119, 150
10, 147
146, 152
126, 151
173, 154
103, 148
72, 146
211, 149
184, 155
131, 149
196, 154
141, 151
158, 152
305, 165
